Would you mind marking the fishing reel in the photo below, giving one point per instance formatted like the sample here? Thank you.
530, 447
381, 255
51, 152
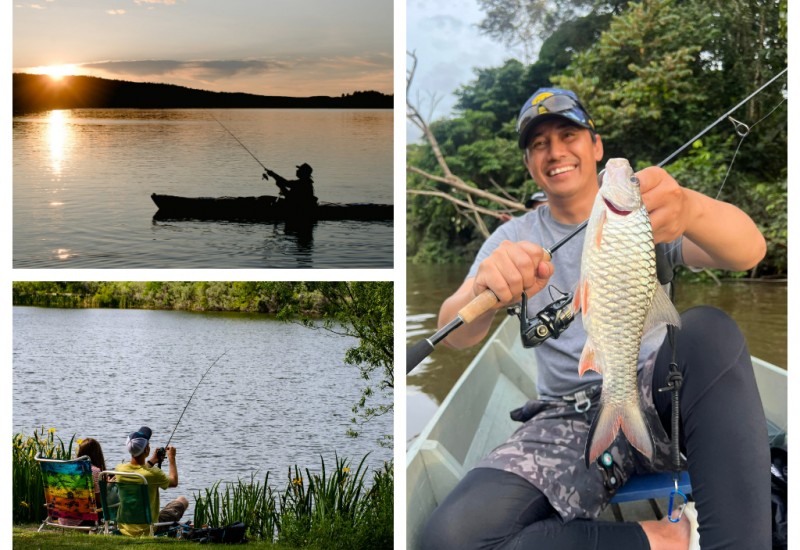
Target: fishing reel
551, 321
161, 454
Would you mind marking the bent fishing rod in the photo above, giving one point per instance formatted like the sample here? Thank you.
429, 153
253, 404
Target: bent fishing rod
487, 299
161, 452
240, 143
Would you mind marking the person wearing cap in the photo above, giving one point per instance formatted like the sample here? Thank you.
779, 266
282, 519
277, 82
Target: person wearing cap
536, 200
138, 445
534, 490
297, 193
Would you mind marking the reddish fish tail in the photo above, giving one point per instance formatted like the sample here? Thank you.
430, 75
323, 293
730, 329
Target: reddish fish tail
612, 418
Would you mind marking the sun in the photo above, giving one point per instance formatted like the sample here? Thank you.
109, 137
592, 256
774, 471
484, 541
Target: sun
57, 72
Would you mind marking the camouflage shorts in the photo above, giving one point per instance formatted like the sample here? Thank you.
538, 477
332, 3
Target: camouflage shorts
548, 451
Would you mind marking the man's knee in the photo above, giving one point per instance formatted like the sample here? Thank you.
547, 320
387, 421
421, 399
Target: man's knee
713, 356
711, 335
174, 510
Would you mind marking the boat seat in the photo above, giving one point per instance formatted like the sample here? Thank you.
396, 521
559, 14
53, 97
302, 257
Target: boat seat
649, 487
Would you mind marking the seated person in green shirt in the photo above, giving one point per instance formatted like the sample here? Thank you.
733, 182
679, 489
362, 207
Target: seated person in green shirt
139, 446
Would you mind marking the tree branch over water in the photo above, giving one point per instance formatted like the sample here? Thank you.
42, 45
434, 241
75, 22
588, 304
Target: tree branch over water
460, 193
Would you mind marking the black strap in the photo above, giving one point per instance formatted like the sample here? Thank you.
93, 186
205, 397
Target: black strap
674, 383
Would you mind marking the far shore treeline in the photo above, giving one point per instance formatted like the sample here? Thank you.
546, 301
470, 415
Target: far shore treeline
33, 92
252, 297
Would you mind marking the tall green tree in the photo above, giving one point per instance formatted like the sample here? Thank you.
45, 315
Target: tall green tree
523, 24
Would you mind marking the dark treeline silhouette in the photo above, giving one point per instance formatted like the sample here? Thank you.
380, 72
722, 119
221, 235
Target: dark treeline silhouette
40, 92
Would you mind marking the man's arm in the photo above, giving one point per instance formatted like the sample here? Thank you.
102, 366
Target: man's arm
173, 468
716, 234
510, 269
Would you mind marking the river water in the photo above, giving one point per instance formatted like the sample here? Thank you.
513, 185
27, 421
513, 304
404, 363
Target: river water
83, 180
281, 395
758, 307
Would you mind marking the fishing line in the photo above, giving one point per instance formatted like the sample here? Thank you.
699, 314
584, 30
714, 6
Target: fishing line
240, 143
723, 117
743, 134
191, 396
742, 130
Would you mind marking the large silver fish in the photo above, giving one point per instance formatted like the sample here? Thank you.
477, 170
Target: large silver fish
620, 299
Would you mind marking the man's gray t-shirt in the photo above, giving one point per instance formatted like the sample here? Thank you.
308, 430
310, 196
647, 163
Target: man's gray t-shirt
558, 358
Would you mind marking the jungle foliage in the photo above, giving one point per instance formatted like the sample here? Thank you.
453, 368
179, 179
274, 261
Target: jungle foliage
652, 74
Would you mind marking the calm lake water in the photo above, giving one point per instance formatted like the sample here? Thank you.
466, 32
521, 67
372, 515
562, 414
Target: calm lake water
281, 396
83, 179
758, 307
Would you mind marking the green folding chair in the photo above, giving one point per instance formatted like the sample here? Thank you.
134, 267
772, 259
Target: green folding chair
126, 500
69, 493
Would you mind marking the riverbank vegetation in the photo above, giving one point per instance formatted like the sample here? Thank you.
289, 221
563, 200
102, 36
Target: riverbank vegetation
652, 74
328, 508
273, 298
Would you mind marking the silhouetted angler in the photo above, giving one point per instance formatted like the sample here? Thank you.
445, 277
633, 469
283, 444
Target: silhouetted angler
299, 192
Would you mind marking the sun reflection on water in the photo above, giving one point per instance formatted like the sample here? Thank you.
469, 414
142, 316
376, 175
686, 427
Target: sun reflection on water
57, 137
63, 253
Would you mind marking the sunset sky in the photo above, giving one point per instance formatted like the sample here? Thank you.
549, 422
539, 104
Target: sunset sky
270, 47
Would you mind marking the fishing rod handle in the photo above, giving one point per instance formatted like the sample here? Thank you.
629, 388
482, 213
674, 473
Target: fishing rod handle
479, 305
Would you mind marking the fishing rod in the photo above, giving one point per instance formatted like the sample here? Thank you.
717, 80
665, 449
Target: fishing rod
162, 451
487, 299
239, 141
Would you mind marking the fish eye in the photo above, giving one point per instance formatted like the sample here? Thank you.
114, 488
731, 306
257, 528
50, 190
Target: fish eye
634, 180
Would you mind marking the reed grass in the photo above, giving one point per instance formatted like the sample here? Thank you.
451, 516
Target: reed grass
26, 485
251, 503
330, 509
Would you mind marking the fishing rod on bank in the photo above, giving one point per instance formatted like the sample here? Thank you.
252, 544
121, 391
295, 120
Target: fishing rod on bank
161, 452
239, 141
553, 314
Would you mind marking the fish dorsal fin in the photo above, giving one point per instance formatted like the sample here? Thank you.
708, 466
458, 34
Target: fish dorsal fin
662, 312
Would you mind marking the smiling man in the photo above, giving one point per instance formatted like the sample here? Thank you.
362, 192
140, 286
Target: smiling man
534, 491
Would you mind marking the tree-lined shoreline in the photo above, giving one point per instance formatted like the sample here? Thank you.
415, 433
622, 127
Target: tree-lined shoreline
34, 92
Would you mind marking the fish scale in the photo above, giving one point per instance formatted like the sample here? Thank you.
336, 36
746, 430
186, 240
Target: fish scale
616, 293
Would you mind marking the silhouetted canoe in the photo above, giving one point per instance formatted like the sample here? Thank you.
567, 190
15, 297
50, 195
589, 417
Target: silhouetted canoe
473, 419
263, 208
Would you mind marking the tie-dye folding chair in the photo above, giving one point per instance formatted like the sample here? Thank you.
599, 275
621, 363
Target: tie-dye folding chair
69, 493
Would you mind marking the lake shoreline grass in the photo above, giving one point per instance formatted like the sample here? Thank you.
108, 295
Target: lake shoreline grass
26, 537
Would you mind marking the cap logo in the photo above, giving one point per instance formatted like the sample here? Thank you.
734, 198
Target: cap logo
541, 97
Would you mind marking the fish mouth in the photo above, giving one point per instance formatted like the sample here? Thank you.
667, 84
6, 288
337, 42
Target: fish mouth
616, 209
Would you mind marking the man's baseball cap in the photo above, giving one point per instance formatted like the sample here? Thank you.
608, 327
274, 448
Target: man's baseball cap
548, 103
137, 441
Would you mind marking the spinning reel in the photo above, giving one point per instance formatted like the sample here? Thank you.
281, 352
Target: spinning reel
551, 321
